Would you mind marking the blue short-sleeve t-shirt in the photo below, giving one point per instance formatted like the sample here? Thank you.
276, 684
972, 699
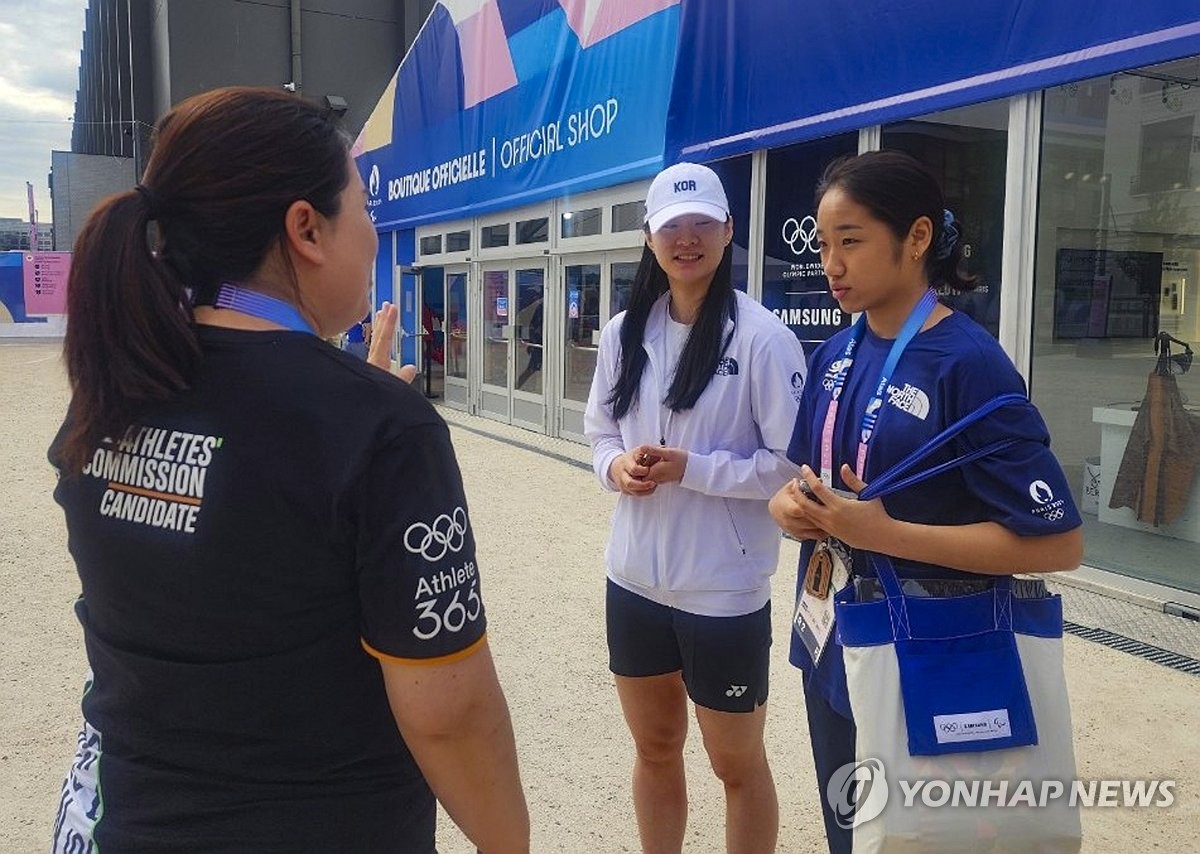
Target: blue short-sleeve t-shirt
945, 373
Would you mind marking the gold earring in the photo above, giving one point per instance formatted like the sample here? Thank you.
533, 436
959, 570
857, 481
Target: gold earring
916, 255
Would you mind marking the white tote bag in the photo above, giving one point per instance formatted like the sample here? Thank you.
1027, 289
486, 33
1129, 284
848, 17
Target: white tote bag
960, 703
1011, 799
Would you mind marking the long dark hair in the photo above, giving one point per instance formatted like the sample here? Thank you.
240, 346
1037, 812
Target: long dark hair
897, 189
705, 344
226, 166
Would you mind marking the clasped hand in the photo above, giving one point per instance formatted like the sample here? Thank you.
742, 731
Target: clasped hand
639, 471
824, 513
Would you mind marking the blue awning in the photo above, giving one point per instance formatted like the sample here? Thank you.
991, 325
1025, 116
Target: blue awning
502, 103
760, 74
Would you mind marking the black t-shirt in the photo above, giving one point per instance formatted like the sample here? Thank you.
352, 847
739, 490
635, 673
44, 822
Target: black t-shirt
242, 549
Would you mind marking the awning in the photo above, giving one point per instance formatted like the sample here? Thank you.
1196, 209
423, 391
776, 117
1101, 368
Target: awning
761, 74
501, 103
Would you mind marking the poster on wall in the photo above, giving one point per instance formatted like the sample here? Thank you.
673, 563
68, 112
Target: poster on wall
44, 276
794, 285
1105, 293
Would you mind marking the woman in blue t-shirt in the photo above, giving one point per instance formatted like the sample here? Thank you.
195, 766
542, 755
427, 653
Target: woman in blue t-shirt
912, 369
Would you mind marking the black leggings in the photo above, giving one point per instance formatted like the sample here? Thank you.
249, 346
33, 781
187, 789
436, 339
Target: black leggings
832, 739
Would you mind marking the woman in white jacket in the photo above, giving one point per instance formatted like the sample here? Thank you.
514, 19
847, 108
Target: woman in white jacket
689, 418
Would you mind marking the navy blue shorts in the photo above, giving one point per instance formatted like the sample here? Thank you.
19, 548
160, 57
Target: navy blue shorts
725, 661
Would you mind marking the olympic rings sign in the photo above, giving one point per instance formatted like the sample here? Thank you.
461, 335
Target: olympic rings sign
433, 542
803, 231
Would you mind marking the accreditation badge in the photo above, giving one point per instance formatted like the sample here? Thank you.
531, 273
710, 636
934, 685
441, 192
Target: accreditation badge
827, 573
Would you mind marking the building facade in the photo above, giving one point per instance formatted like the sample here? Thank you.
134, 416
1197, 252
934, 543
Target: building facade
140, 57
510, 219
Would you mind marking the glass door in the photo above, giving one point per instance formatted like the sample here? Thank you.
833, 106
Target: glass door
511, 388
528, 299
428, 334
595, 288
455, 326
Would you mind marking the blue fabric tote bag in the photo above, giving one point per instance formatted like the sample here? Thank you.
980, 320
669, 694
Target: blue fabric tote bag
960, 703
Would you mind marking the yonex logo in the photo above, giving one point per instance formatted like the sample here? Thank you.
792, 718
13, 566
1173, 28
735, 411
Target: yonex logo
736, 690
432, 542
803, 231
688, 186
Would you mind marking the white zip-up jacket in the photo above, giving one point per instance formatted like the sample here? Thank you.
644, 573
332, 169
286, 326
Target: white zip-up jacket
707, 544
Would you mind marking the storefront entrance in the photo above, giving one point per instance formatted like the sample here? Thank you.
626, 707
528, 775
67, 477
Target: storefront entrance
512, 379
595, 287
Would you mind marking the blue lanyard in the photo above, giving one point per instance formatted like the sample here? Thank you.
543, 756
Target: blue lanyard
912, 325
263, 307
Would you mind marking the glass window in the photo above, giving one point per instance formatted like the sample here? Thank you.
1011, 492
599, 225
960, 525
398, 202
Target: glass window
623, 273
456, 325
966, 149
496, 323
583, 321
735, 176
458, 241
1117, 264
431, 245
432, 341
491, 236
584, 223
531, 322
630, 216
533, 230
794, 285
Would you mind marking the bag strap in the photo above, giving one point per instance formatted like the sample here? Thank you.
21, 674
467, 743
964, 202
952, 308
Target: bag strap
895, 479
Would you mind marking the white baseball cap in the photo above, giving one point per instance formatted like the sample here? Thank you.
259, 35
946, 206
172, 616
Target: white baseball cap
685, 188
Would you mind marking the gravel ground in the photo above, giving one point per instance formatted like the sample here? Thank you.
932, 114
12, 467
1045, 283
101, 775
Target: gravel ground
541, 523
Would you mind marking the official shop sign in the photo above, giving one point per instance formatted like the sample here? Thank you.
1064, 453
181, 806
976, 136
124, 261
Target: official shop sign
546, 106
546, 140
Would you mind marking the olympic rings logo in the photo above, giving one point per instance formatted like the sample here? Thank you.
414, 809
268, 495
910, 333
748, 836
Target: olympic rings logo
804, 231
1054, 515
432, 542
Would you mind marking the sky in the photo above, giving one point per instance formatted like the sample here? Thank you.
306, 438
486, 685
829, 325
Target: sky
39, 73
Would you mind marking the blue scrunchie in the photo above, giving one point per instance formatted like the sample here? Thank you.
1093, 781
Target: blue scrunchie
948, 237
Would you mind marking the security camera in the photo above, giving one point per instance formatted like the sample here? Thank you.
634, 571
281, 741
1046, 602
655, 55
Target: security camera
290, 86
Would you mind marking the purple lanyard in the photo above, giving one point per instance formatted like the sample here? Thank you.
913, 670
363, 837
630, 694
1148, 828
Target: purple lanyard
263, 307
916, 319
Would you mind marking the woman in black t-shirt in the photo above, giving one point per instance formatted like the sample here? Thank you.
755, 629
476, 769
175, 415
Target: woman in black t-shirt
287, 641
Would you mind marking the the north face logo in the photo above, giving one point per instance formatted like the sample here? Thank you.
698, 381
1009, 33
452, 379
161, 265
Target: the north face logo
688, 186
727, 367
910, 399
